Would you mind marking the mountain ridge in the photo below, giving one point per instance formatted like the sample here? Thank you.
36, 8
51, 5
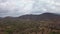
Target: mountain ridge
44, 16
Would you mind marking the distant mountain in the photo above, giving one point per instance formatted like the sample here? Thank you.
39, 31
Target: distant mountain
49, 17
29, 17
44, 16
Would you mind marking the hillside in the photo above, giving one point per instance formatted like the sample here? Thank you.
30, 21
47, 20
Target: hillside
31, 24
44, 16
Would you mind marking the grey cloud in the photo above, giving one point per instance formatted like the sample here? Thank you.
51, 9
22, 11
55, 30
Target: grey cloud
3, 11
50, 6
2, 1
21, 7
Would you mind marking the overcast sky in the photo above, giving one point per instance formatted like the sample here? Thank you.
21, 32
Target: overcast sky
21, 7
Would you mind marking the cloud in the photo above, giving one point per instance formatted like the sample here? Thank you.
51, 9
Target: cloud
47, 6
21, 7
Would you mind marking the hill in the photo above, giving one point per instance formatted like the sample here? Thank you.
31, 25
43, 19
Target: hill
31, 24
44, 16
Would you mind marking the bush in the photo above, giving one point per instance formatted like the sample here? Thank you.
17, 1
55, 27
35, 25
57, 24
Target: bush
54, 32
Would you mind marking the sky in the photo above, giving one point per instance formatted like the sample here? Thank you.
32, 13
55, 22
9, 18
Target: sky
21, 7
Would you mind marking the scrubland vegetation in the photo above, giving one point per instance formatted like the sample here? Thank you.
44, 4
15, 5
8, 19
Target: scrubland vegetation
28, 27
46, 25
